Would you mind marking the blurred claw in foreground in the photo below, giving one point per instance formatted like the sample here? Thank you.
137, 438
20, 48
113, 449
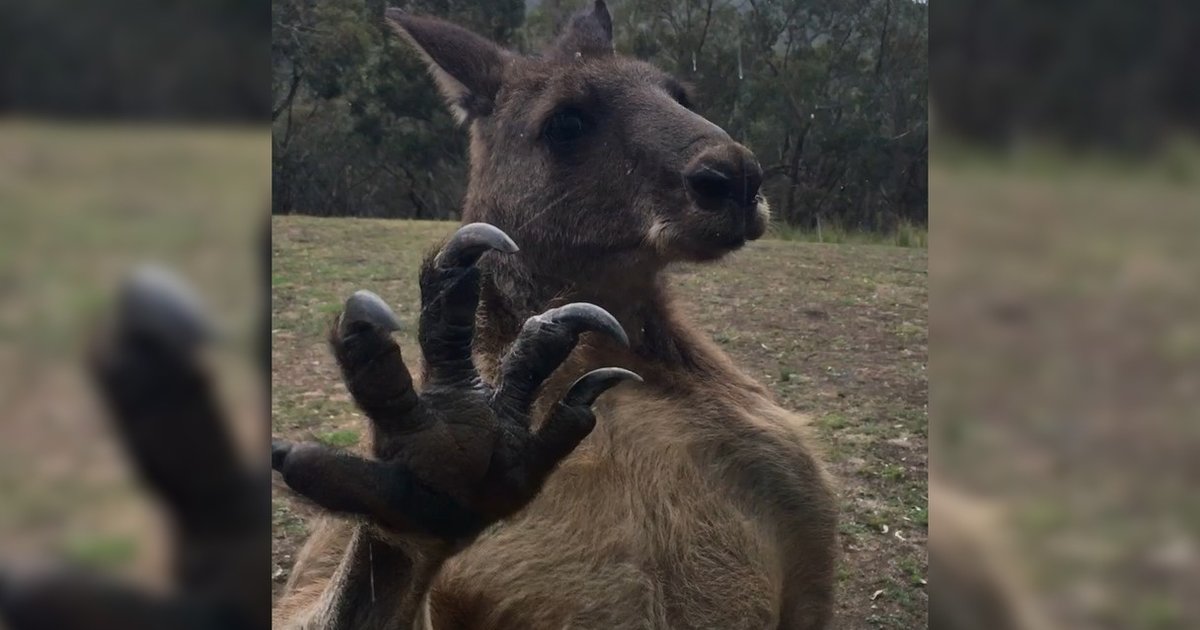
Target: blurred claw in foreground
155, 301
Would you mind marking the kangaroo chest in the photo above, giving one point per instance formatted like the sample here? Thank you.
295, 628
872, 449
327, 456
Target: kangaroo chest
631, 532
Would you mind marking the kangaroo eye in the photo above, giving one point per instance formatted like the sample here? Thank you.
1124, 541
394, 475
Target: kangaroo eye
681, 96
680, 92
566, 126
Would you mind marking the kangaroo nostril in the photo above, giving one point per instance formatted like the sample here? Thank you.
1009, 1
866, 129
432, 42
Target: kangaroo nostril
710, 183
727, 174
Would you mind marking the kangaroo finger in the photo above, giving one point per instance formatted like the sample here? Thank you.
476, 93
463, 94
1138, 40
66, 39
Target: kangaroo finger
449, 298
544, 343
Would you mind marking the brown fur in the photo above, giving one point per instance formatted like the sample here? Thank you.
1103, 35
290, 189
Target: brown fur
975, 583
696, 502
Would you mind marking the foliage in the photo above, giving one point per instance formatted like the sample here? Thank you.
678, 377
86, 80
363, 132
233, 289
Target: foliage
1118, 76
829, 94
358, 128
129, 59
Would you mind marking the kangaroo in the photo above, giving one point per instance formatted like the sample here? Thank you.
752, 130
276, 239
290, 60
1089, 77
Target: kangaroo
571, 452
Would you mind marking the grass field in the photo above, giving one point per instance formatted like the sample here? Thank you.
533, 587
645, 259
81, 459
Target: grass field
837, 331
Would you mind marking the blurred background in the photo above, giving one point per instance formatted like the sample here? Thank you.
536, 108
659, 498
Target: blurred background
130, 133
1065, 320
831, 95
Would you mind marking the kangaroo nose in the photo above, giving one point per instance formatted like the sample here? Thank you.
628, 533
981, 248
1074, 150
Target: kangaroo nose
723, 174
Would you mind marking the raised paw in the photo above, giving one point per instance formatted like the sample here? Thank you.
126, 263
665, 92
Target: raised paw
459, 454
161, 400
145, 363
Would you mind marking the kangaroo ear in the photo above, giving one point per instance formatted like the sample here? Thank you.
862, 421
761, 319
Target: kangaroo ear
588, 34
468, 68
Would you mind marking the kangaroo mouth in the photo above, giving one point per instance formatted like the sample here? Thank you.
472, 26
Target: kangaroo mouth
706, 234
727, 232
759, 214
746, 222
727, 243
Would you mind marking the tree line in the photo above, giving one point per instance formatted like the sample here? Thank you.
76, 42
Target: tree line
1116, 76
164, 60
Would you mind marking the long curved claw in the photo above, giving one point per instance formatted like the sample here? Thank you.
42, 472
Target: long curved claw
581, 317
155, 301
572, 419
367, 307
587, 388
544, 343
450, 286
470, 242
370, 361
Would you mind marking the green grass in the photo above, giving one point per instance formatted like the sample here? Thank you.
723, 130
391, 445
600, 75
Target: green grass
80, 204
905, 235
342, 438
1177, 163
100, 552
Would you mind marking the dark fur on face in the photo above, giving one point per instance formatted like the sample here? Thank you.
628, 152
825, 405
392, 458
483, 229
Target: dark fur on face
593, 162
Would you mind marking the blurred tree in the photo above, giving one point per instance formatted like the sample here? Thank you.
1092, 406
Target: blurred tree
358, 128
1118, 75
131, 59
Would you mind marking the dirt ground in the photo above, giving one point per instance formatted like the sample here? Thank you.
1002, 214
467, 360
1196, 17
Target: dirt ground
838, 331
